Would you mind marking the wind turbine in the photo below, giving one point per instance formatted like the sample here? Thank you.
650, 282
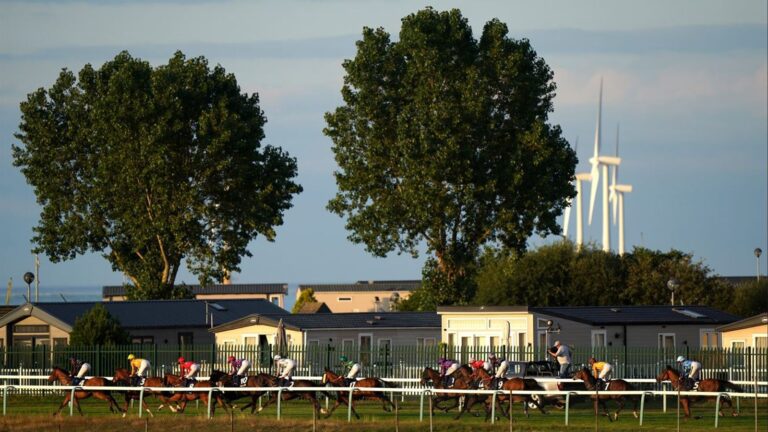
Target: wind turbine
599, 162
617, 197
580, 177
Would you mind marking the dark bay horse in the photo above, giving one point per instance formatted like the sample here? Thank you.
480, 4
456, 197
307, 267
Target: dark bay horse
266, 380
590, 383
176, 381
63, 378
122, 378
461, 381
225, 380
511, 384
330, 378
706, 385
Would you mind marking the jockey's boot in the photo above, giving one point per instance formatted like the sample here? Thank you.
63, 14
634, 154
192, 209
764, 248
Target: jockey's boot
236, 380
135, 380
600, 384
75, 381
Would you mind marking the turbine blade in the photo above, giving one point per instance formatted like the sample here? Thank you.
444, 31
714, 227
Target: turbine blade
612, 196
566, 218
593, 188
598, 127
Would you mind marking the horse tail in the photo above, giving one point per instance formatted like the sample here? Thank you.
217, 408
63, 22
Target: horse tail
388, 384
729, 385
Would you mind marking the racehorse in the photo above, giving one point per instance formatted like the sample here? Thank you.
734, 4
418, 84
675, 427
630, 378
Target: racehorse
176, 381
330, 378
225, 380
461, 381
511, 384
613, 385
60, 375
266, 380
122, 378
705, 385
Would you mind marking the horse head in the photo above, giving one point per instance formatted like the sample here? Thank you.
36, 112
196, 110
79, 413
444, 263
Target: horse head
57, 374
669, 373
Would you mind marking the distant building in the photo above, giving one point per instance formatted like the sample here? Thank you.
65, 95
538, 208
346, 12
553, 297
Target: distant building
161, 322
274, 293
362, 296
750, 332
658, 327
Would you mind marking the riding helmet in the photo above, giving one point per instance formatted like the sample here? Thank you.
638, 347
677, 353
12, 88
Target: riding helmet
230, 359
277, 357
131, 356
182, 360
680, 359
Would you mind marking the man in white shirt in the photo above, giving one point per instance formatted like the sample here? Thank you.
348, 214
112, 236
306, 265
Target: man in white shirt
563, 356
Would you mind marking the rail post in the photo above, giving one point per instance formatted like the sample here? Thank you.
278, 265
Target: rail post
430, 414
717, 407
279, 399
210, 399
5, 399
397, 417
642, 405
141, 401
349, 405
567, 406
72, 401
510, 411
493, 406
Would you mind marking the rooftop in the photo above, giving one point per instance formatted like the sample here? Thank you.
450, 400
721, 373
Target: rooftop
660, 314
270, 288
356, 320
753, 321
363, 286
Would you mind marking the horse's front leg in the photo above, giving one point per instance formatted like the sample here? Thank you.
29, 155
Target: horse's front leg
63, 404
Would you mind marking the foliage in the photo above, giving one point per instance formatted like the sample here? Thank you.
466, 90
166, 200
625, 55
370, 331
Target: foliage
306, 296
559, 275
152, 167
750, 299
443, 141
437, 290
97, 327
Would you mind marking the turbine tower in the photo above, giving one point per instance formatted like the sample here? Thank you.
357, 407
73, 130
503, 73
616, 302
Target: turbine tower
601, 162
617, 197
580, 177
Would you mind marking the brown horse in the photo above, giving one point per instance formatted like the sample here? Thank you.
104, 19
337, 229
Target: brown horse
461, 381
706, 385
222, 379
176, 381
511, 384
122, 378
613, 385
266, 380
60, 375
331, 379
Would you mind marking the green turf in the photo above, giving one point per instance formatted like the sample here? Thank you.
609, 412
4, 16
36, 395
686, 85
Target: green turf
34, 413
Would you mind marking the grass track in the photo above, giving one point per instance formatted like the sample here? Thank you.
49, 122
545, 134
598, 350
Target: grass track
27, 413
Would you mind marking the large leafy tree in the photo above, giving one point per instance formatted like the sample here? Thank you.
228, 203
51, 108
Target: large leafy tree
443, 139
97, 327
153, 167
306, 296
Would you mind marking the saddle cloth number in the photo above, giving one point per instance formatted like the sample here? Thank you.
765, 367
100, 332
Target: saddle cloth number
243, 380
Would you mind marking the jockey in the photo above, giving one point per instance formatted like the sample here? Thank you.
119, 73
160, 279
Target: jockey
480, 364
285, 367
691, 368
78, 370
239, 369
447, 368
188, 371
139, 368
351, 368
501, 365
602, 371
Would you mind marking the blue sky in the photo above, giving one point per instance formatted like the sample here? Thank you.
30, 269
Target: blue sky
686, 80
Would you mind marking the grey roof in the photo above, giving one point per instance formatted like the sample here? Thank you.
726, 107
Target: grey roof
273, 288
753, 321
165, 313
639, 315
356, 320
449, 309
362, 286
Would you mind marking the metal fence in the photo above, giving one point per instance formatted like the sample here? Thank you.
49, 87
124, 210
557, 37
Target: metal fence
745, 364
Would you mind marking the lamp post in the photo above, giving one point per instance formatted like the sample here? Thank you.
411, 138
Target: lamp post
29, 277
672, 285
758, 252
